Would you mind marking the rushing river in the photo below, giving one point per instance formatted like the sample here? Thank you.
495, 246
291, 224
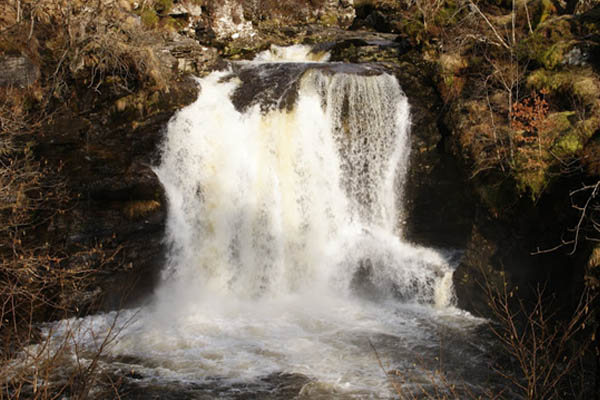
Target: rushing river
287, 273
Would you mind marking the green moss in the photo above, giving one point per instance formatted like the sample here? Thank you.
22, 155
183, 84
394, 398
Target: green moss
232, 50
328, 19
414, 29
542, 79
581, 83
532, 181
569, 144
149, 17
585, 87
560, 121
173, 24
548, 45
555, 54
573, 141
449, 14
589, 126
448, 80
568, 137
542, 10
153, 99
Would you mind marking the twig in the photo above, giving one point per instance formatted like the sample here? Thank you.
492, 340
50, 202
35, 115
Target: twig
502, 41
393, 383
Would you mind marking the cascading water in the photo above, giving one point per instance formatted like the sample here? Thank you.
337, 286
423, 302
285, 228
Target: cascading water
264, 204
286, 259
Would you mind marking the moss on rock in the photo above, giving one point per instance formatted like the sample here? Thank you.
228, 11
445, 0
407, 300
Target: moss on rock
149, 18
582, 83
532, 181
163, 7
541, 10
548, 44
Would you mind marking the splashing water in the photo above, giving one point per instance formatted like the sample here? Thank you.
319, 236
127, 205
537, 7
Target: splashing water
297, 53
287, 201
285, 248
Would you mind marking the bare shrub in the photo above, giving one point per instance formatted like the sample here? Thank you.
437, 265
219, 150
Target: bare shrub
78, 46
95, 42
548, 350
544, 354
52, 364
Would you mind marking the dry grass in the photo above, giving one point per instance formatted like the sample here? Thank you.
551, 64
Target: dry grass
140, 208
39, 282
98, 43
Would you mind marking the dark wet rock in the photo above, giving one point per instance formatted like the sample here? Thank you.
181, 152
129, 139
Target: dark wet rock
203, 33
268, 85
274, 386
118, 208
378, 22
502, 253
371, 47
17, 71
134, 375
276, 84
362, 282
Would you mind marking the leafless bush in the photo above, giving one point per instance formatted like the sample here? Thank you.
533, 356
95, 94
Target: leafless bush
96, 42
52, 364
545, 354
543, 345
36, 282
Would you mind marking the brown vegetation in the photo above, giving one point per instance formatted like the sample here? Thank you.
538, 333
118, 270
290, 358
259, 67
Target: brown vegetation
35, 282
78, 46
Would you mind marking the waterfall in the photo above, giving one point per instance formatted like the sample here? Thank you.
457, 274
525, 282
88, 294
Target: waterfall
286, 255
278, 200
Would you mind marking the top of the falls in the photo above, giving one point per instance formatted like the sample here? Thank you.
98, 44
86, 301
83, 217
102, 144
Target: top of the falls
297, 53
271, 78
275, 84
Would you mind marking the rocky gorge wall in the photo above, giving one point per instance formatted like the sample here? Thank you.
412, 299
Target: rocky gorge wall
106, 126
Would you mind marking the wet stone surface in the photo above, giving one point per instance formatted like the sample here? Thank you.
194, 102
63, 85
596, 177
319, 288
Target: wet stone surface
273, 386
276, 84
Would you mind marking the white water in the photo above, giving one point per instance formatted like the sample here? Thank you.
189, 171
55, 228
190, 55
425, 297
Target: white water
297, 53
286, 251
267, 205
